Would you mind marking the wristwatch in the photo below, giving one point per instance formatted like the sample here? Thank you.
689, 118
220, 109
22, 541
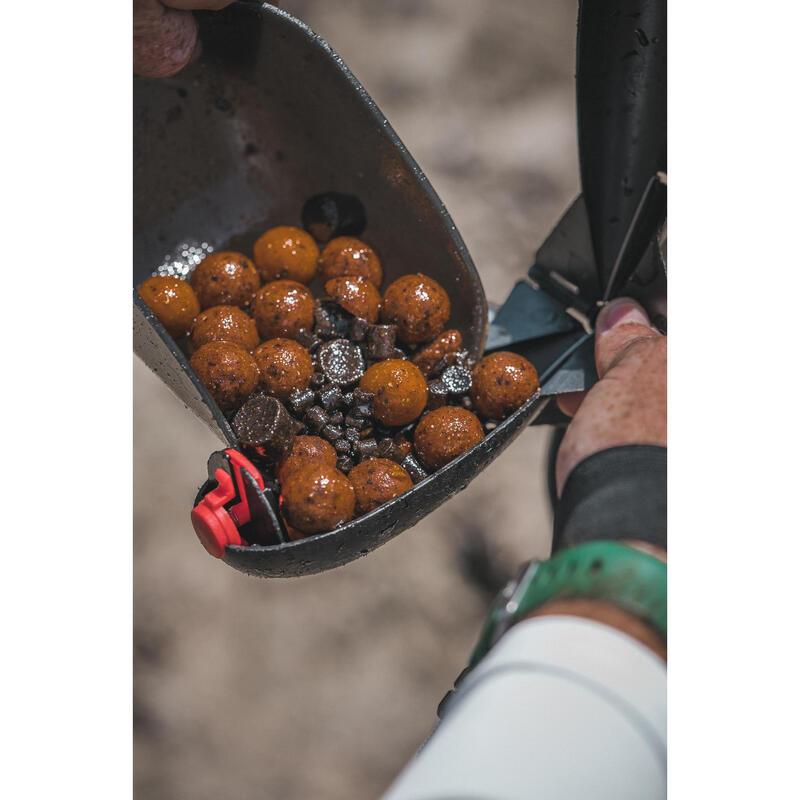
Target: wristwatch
606, 570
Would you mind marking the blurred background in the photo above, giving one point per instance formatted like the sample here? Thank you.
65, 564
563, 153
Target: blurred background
325, 686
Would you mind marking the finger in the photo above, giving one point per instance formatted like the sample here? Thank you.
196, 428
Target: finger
570, 402
621, 324
164, 40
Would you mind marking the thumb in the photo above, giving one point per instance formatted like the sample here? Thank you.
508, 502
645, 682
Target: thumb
621, 324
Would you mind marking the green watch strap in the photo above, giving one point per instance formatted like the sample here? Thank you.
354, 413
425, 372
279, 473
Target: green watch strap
610, 571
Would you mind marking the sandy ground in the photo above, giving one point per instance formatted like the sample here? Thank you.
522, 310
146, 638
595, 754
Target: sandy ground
323, 687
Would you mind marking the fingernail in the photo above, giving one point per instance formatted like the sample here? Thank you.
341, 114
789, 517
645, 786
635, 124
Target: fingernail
621, 311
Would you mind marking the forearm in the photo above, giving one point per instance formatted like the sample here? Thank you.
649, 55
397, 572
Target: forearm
560, 707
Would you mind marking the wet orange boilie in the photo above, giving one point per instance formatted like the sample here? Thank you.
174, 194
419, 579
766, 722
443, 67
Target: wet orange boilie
317, 498
501, 383
307, 451
346, 255
224, 324
173, 302
226, 278
376, 481
286, 252
399, 389
283, 308
228, 371
356, 295
285, 366
445, 434
418, 306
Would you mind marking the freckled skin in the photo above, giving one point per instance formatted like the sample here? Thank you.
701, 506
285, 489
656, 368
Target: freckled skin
401, 393
317, 499
428, 357
445, 434
285, 365
225, 279
173, 302
628, 405
224, 324
346, 255
418, 305
501, 383
286, 252
376, 481
283, 308
228, 371
356, 295
307, 451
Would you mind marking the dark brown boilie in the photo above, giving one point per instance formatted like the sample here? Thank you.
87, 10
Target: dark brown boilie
286, 252
501, 383
399, 389
228, 371
419, 307
225, 279
377, 481
429, 356
283, 308
307, 451
317, 498
224, 324
445, 434
356, 295
285, 366
346, 255
173, 302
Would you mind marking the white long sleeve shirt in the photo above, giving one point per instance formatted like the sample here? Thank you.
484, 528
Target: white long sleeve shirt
561, 708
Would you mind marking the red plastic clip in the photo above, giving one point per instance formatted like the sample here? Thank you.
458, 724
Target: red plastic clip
219, 515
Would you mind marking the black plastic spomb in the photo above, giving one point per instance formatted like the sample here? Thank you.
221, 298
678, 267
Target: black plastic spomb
268, 117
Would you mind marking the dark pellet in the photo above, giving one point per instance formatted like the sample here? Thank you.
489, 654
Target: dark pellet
348, 399
263, 426
413, 468
331, 432
458, 380
437, 394
342, 447
351, 434
362, 410
354, 421
317, 380
336, 418
316, 418
300, 401
331, 398
366, 448
388, 449
331, 321
403, 444
345, 464
341, 361
362, 395
310, 341
358, 329
366, 432
380, 341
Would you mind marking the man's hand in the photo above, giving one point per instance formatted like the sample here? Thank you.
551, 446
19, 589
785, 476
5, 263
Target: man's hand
628, 405
165, 34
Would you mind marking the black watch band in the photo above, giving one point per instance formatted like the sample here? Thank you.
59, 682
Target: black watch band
616, 494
